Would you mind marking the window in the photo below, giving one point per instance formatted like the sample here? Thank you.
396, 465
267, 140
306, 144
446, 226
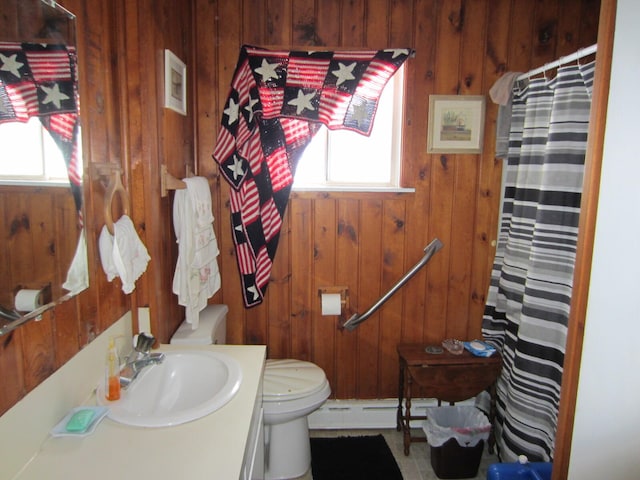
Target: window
346, 160
30, 155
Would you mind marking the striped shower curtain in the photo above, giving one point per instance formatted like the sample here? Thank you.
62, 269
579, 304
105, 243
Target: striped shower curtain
527, 308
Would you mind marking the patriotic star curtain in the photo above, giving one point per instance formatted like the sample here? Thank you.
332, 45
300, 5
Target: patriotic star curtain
527, 308
278, 101
40, 80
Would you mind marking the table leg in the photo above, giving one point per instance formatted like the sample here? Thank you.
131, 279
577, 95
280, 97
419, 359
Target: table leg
406, 425
492, 417
400, 397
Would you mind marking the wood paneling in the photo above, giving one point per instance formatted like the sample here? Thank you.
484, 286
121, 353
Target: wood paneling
39, 235
155, 136
366, 242
32, 21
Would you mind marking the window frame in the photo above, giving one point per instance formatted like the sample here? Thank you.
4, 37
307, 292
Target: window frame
396, 164
47, 149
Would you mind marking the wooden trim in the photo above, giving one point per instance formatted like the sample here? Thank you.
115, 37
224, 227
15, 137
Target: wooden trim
589, 207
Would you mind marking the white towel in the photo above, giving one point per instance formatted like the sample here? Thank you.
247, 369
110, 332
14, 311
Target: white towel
105, 246
78, 274
197, 276
123, 254
502, 93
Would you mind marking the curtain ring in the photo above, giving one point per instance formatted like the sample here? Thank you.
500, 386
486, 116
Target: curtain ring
115, 187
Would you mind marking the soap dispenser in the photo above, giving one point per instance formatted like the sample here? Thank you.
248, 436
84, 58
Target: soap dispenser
112, 374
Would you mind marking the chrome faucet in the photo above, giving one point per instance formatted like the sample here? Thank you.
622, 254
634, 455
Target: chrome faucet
139, 358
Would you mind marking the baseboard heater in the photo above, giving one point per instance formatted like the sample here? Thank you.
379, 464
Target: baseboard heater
356, 414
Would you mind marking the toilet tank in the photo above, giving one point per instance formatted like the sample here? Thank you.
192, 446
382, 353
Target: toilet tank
212, 328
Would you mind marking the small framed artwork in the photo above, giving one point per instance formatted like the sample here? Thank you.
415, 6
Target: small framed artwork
456, 124
175, 83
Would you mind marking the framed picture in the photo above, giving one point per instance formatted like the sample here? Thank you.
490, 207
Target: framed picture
175, 83
456, 124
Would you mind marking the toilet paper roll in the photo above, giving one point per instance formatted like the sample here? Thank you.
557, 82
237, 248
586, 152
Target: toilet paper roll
331, 304
28, 300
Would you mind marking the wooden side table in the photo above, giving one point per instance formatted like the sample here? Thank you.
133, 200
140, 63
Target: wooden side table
444, 376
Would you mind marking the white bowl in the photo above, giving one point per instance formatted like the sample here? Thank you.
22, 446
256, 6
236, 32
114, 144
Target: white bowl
188, 385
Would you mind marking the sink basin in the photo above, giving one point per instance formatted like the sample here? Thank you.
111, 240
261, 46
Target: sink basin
186, 386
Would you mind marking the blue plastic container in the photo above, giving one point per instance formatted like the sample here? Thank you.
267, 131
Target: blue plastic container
519, 471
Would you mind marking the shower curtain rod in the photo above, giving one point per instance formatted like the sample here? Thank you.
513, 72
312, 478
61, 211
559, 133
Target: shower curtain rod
583, 52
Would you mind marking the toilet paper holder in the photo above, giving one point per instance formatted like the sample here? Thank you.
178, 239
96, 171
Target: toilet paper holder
41, 296
33, 315
342, 291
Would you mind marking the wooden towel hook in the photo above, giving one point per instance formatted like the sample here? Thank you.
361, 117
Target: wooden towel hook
169, 182
114, 188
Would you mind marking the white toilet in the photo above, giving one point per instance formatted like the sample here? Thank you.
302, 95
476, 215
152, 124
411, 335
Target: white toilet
212, 328
292, 389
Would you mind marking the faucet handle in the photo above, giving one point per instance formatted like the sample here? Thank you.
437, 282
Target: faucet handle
145, 342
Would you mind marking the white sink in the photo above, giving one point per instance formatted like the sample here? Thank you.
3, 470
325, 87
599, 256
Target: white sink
188, 385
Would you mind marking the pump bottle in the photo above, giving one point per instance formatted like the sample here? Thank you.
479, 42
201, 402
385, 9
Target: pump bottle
112, 380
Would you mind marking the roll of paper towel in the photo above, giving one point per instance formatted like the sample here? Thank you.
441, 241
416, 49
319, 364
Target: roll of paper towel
331, 304
27, 300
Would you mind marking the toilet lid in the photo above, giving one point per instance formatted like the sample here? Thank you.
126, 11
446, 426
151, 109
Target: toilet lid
287, 378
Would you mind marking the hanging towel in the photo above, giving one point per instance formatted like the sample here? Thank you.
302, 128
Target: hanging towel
78, 275
105, 246
501, 94
197, 276
123, 254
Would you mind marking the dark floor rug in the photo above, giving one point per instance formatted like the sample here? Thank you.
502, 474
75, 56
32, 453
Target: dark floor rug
353, 458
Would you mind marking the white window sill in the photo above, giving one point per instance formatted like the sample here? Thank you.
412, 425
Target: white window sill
351, 189
35, 183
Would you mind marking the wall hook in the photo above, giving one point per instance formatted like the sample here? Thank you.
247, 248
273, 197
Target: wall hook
115, 187
169, 182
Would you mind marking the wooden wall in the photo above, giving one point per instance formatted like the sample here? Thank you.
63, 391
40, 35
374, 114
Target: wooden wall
367, 241
40, 232
156, 136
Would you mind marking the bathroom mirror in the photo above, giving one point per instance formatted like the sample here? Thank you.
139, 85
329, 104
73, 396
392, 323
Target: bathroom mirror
40, 211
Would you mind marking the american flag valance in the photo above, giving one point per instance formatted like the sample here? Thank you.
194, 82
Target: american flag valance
36, 79
40, 80
277, 102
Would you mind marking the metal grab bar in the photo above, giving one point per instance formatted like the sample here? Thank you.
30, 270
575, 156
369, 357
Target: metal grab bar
429, 250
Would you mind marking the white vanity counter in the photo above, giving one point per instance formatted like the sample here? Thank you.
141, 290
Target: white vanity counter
212, 447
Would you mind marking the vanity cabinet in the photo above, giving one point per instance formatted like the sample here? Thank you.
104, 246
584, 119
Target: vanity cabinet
253, 464
227, 443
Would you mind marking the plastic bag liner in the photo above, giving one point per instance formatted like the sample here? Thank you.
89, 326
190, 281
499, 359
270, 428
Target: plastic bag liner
466, 424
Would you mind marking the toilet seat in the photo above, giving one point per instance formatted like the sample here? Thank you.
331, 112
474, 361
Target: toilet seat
289, 379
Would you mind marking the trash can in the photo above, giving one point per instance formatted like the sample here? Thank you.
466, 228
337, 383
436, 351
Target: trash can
456, 437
